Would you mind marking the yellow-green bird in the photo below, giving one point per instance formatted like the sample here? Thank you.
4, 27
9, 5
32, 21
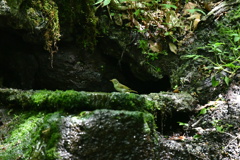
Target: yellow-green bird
120, 87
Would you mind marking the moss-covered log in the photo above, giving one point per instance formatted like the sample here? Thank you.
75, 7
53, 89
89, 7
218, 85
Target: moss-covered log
79, 101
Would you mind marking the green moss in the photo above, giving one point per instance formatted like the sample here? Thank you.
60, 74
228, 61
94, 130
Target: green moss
34, 135
65, 100
35, 16
49, 10
14, 5
74, 101
44, 18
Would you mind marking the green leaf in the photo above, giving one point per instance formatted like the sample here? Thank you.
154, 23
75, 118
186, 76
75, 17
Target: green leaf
219, 128
173, 47
182, 124
169, 6
218, 44
215, 83
106, 2
197, 136
233, 34
203, 111
227, 80
167, 33
236, 39
137, 12
230, 65
196, 10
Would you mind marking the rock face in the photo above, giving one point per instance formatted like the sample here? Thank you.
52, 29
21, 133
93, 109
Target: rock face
127, 132
215, 132
116, 134
76, 58
75, 63
28, 27
106, 134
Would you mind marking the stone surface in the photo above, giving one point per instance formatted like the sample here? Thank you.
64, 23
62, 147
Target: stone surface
108, 134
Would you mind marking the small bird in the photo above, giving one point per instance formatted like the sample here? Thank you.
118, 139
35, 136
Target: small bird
120, 87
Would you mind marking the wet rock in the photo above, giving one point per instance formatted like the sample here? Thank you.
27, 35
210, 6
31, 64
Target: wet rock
214, 134
108, 134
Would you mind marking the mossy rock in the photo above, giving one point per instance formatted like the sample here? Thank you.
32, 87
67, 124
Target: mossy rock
73, 101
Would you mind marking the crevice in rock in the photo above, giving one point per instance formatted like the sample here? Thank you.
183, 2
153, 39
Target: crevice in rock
167, 124
124, 74
23, 66
147, 86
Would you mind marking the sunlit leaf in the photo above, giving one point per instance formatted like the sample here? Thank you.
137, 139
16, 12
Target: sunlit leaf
106, 2
182, 124
203, 111
173, 47
236, 39
154, 46
233, 34
218, 68
194, 16
196, 21
230, 65
219, 128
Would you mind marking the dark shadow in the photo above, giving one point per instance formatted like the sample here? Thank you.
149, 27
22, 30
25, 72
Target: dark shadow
148, 86
17, 61
167, 124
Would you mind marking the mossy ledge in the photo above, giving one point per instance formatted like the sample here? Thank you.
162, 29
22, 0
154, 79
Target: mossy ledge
85, 101
33, 136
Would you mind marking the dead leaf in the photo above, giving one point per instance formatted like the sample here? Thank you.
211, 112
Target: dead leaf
171, 19
154, 46
173, 47
188, 6
196, 16
196, 21
176, 91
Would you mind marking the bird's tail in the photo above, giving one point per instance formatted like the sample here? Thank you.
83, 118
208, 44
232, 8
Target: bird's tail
133, 91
